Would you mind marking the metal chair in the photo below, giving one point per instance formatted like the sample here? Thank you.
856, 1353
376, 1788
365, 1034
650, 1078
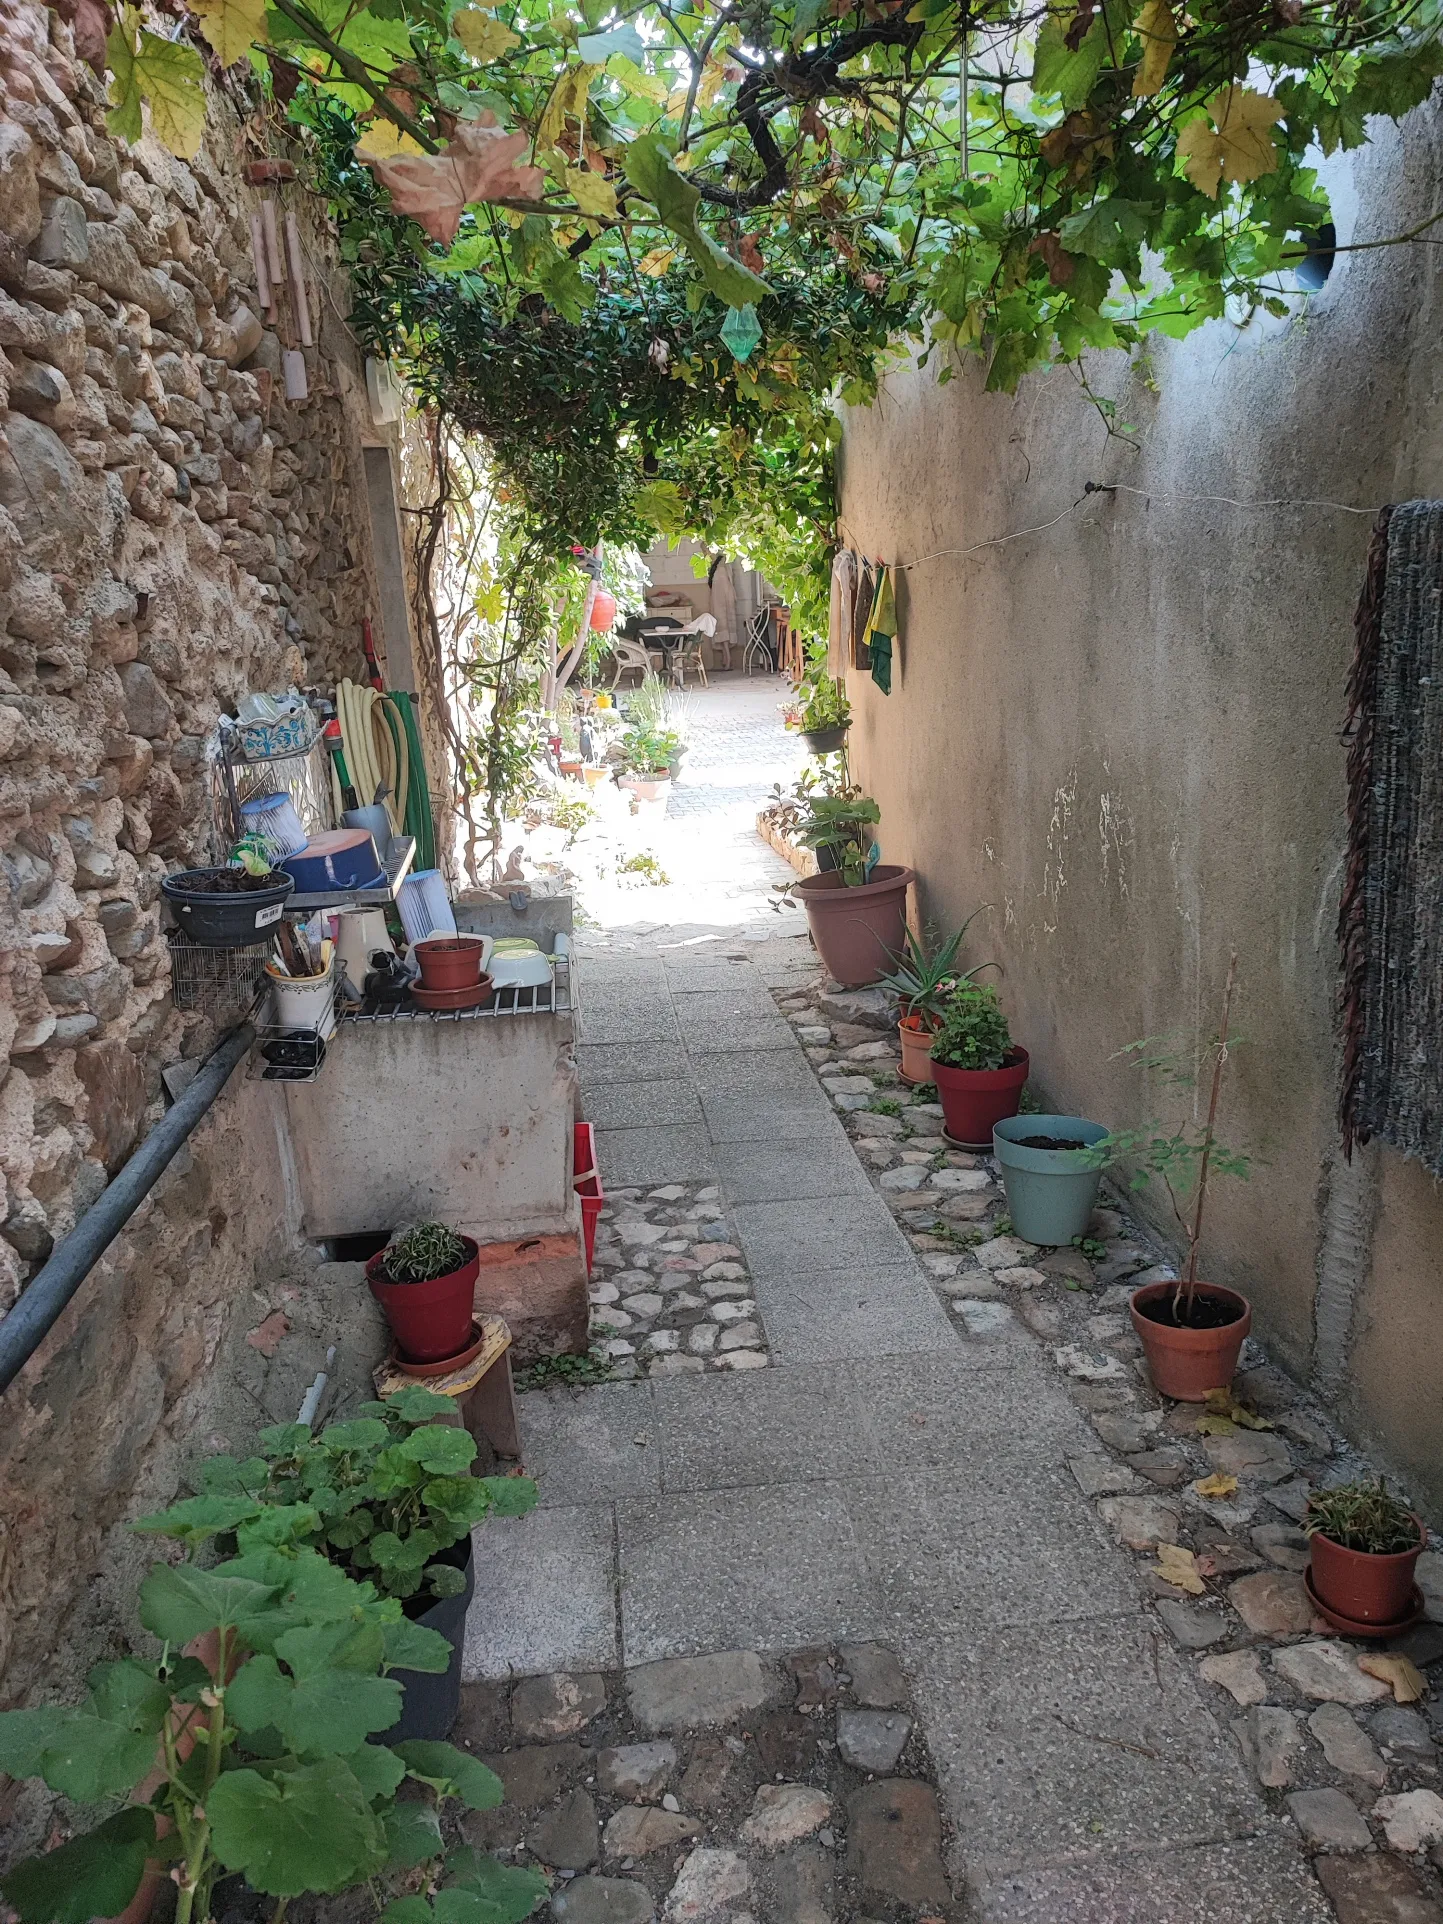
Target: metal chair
760, 649
684, 657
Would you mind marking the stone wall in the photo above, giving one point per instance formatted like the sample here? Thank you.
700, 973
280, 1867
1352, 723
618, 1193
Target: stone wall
1117, 728
173, 532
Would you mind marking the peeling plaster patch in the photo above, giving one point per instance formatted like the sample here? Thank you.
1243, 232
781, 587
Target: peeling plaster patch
1114, 827
1054, 878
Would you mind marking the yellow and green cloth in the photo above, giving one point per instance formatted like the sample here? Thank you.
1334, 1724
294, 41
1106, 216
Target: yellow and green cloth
881, 630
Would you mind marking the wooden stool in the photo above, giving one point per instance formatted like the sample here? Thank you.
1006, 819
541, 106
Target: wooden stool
485, 1399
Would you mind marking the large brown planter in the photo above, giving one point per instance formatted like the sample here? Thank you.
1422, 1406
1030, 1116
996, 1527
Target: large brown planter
1361, 1586
1187, 1363
858, 931
974, 1101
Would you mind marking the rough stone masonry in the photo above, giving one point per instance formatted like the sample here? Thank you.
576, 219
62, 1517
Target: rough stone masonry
173, 532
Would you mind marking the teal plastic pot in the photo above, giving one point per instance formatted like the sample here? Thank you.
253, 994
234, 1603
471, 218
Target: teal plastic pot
1049, 1197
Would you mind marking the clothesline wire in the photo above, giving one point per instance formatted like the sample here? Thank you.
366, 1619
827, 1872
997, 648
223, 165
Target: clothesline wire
1118, 487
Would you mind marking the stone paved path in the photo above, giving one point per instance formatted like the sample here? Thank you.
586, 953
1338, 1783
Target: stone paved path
906, 1476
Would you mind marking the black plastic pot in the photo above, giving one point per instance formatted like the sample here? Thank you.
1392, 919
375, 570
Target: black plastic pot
826, 854
229, 921
825, 741
432, 1700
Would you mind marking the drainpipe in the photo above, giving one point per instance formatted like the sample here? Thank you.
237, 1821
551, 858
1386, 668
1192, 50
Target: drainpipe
72, 1259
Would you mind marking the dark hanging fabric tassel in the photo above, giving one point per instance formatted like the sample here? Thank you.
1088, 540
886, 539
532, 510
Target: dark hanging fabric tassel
1361, 698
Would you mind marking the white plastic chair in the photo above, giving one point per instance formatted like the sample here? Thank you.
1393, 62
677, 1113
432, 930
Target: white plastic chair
630, 654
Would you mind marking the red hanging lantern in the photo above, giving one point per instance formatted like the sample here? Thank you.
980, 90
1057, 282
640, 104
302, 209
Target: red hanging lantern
603, 610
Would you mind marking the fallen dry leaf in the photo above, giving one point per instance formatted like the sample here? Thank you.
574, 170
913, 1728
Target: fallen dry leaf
1215, 1426
1408, 1681
479, 164
1216, 1485
1224, 1403
1179, 1567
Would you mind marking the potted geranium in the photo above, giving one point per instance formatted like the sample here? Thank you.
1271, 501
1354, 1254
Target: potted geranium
1192, 1331
649, 756
425, 1281
1363, 1546
978, 1069
923, 984
389, 1498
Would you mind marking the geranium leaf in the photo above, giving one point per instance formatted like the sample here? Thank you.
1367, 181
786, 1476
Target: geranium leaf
506, 1895
309, 1829
198, 1517
413, 1834
509, 1495
77, 1753
92, 1876
410, 1646
177, 1604
440, 1448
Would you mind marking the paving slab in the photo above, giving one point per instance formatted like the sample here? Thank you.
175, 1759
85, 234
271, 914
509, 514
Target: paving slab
930, 1410
886, 1311
591, 1446
1251, 1880
643, 1105
770, 1118
771, 1426
1005, 1543
720, 999
635, 1157
827, 1234
756, 1172
708, 1026
767, 1568
1083, 1738
766, 1074
600, 1063
613, 1014
545, 1594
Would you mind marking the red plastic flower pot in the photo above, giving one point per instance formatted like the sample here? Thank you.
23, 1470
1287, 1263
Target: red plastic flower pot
586, 1181
974, 1101
1186, 1363
1360, 1585
449, 961
428, 1320
858, 931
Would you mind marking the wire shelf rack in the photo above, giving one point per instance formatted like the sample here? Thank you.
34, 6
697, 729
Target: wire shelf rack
552, 998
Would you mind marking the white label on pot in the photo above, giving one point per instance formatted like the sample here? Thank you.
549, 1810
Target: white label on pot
272, 914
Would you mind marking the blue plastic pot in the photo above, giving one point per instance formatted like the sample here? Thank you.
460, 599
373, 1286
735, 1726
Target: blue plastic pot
1051, 1193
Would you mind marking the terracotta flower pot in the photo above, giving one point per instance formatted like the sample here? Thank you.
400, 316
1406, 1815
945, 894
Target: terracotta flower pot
916, 1040
1362, 1586
1187, 1363
449, 962
974, 1101
858, 931
429, 1320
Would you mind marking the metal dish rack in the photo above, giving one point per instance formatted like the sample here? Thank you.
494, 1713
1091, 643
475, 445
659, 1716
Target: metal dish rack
551, 998
216, 982
306, 1047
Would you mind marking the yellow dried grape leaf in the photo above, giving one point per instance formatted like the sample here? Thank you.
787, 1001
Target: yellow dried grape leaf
1238, 146
232, 27
568, 97
1407, 1680
593, 193
1224, 1403
1216, 1485
1179, 1568
1156, 28
483, 38
384, 140
656, 261
1215, 1426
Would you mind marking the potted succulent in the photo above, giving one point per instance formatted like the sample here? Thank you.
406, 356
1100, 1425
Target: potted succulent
825, 715
979, 1071
922, 985
227, 908
425, 1281
1192, 1331
1051, 1182
1363, 1546
256, 1757
389, 1498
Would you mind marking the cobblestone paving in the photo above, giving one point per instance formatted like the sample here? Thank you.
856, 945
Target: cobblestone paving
955, 1453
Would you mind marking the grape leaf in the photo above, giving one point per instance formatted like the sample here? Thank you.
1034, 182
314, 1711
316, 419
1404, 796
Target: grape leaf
167, 75
650, 170
92, 1876
1238, 146
1157, 30
1056, 69
483, 38
593, 193
479, 164
597, 48
232, 27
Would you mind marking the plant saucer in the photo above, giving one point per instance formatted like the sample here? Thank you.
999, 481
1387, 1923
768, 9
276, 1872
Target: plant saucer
1351, 1628
973, 1148
443, 1365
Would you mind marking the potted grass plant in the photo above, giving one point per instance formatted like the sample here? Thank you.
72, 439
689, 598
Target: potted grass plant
1192, 1331
922, 984
980, 1072
1363, 1548
425, 1281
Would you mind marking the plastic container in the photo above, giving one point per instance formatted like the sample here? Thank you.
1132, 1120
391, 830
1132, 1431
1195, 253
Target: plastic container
431, 1700
274, 818
586, 1181
1186, 1363
451, 961
229, 921
1051, 1193
858, 931
1361, 1585
342, 858
974, 1101
375, 821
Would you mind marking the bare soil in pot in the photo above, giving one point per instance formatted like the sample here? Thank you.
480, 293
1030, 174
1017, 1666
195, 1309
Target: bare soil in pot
1189, 1359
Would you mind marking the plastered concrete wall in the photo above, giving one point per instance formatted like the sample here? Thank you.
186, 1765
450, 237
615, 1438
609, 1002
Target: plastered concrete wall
1120, 733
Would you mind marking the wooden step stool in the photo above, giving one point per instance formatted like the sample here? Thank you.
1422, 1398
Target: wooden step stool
482, 1389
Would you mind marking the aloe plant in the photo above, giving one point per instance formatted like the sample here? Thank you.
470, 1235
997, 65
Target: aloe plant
384, 1495
266, 1756
923, 984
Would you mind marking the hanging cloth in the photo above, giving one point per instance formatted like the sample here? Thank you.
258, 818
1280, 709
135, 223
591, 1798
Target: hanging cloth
862, 614
882, 630
843, 607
